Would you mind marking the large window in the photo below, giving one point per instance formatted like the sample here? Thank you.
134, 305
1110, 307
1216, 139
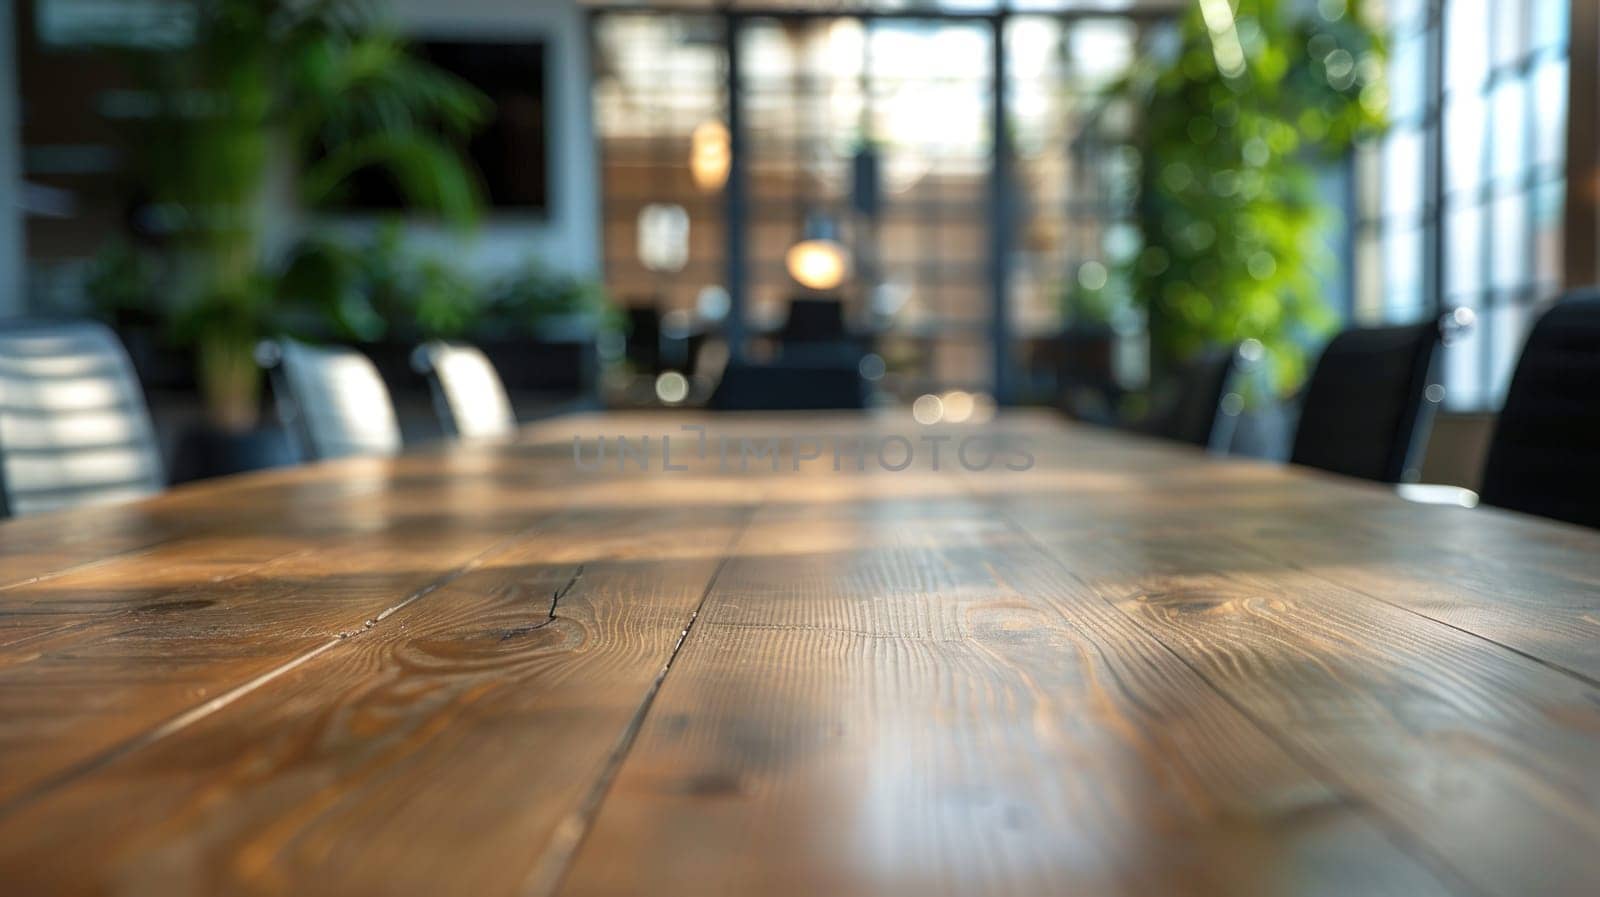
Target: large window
877, 131
879, 127
1074, 175
1458, 205
1487, 80
659, 105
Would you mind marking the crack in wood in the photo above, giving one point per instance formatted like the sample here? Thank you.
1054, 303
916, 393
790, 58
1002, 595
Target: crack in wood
568, 836
550, 616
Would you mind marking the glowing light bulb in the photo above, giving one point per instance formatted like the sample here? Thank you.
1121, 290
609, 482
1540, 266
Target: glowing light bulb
709, 156
927, 409
672, 387
817, 264
958, 406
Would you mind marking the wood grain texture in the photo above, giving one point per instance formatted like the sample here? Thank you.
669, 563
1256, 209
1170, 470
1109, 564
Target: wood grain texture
477, 718
1132, 669
948, 712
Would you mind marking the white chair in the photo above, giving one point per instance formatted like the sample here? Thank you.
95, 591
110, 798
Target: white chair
74, 427
332, 399
467, 392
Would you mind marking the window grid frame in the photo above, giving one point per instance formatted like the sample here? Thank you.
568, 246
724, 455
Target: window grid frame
1374, 226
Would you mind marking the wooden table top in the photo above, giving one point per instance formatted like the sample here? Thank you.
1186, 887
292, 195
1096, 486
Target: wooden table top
1129, 670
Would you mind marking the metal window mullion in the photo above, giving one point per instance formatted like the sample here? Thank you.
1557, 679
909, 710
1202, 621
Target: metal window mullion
1433, 174
735, 195
999, 212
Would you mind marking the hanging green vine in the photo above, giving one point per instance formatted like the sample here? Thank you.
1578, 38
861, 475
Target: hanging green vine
1232, 127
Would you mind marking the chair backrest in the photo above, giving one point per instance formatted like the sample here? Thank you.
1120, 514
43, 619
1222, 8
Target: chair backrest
467, 393
1193, 411
814, 320
643, 345
789, 387
1545, 455
333, 399
1364, 410
74, 427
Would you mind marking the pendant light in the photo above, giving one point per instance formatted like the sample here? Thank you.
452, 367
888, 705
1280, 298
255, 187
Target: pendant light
818, 260
710, 156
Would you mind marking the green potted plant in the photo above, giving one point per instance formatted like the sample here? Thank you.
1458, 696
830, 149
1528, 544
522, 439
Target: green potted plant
540, 301
378, 294
126, 289
261, 82
1231, 130
541, 327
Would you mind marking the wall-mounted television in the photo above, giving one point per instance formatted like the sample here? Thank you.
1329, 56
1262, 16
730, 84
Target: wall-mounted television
510, 150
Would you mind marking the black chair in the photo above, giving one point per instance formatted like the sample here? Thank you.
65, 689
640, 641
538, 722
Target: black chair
1086, 381
814, 321
1366, 412
815, 336
1191, 408
643, 347
1545, 455
785, 386
74, 427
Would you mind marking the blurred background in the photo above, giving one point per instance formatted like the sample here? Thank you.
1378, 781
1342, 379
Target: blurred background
964, 204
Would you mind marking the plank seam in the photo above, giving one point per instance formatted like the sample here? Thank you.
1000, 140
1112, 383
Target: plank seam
1579, 675
569, 834
1405, 839
193, 715
136, 551
127, 612
133, 551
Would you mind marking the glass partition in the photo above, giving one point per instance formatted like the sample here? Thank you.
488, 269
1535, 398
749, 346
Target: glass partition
867, 173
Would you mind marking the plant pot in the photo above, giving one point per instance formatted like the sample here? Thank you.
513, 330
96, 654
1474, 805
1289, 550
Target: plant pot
205, 451
393, 361
570, 327
159, 364
408, 390
531, 365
